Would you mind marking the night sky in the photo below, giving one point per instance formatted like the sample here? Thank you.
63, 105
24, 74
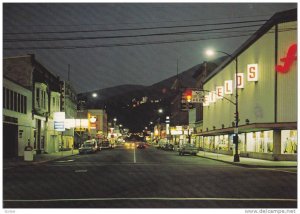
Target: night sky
109, 44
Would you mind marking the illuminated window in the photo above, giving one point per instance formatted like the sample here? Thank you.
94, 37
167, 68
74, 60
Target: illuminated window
289, 142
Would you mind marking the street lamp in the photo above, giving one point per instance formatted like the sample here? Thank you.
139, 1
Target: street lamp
236, 158
160, 110
94, 95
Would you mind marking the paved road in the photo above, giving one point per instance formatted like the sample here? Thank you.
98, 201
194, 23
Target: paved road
146, 178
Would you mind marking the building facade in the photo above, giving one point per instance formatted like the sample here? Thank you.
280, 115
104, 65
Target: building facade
17, 118
267, 95
69, 106
44, 86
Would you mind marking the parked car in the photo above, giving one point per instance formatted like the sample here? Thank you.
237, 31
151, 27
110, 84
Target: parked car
89, 146
168, 147
141, 146
188, 149
105, 145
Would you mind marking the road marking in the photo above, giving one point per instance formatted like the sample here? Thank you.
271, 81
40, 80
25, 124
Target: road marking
154, 198
134, 158
81, 170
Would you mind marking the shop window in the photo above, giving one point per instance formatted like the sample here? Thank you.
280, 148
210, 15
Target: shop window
289, 142
261, 142
221, 142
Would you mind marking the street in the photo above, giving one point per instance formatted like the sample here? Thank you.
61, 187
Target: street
146, 178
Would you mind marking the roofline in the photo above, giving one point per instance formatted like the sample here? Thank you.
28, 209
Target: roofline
277, 18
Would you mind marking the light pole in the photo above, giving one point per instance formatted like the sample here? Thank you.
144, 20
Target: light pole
236, 132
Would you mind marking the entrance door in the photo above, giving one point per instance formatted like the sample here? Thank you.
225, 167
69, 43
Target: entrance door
10, 140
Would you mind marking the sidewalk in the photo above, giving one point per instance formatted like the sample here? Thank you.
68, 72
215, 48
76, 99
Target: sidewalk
249, 162
37, 159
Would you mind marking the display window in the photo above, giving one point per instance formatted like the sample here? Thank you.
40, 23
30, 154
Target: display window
289, 142
261, 142
221, 142
242, 143
209, 143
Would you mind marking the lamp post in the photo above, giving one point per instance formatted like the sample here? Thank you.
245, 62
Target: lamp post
236, 132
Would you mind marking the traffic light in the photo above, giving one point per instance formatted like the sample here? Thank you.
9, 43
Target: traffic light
236, 116
188, 95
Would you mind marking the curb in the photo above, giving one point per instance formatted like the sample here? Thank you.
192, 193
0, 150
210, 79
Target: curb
248, 165
31, 163
44, 161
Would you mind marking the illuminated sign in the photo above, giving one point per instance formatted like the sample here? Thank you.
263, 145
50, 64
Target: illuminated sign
69, 123
206, 100
287, 60
252, 72
59, 121
212, 96
240, 80
220, 92
81, 123
228, 87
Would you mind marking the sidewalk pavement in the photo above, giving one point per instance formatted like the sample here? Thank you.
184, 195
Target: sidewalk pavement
37, 159
248, 162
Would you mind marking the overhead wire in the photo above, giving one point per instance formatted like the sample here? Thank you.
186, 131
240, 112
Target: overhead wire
134, 44
132, 29
122, 36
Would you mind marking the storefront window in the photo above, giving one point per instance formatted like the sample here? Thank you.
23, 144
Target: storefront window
260, 142
289, 142
209, 143
221, 142
242, 146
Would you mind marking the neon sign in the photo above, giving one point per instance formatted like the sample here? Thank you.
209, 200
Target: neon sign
287, 60
227, 88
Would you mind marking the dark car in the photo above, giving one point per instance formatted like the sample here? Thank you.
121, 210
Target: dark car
141, 146
188, 149
168, 147
106, 145
89, 146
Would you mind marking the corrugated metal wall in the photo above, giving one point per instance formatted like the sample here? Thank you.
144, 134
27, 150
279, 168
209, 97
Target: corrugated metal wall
256, 99
287, 82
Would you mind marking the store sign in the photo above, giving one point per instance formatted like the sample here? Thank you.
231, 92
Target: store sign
228, 87
59, 121
252, 72
212, 96
206, 100
288, 60
220, 92
81, 123
240, 80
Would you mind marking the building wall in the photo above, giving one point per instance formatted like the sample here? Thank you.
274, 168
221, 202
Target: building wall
256, 99
269, 102
287, 82
25, 123
22, 70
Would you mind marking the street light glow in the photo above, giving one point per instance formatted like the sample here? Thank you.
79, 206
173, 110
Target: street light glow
94, 95
209, 52
160, 110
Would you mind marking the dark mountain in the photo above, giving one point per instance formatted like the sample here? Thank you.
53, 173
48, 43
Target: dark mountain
106, 93
136, 105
